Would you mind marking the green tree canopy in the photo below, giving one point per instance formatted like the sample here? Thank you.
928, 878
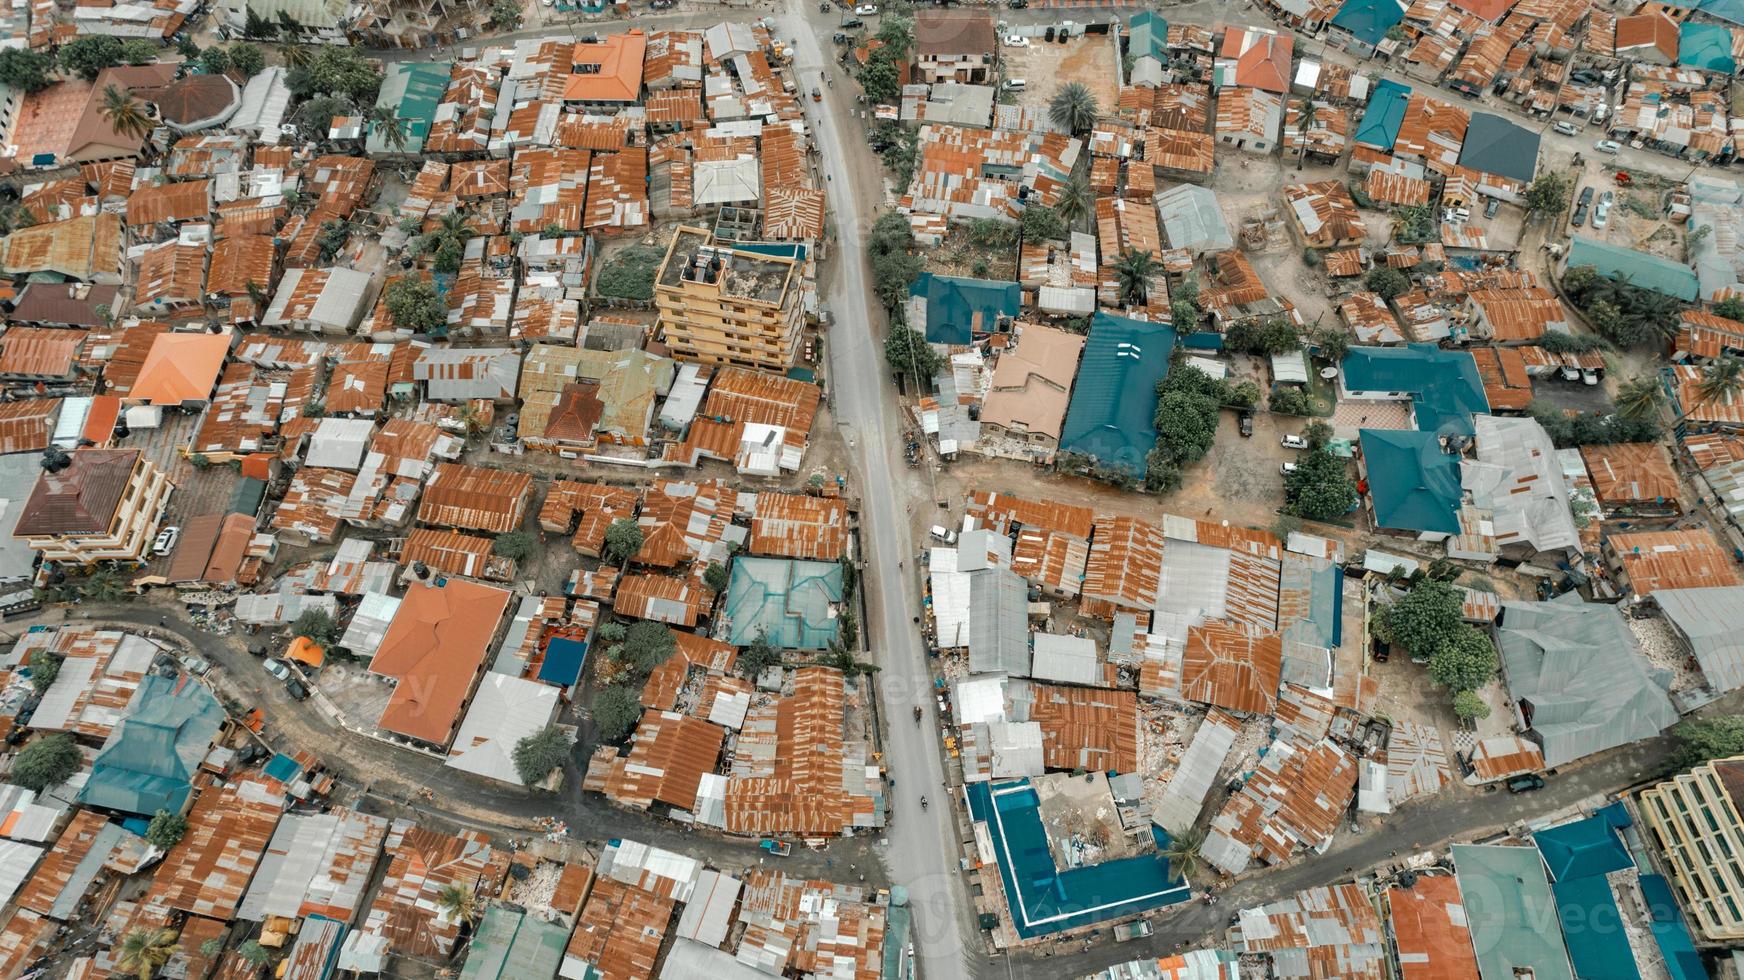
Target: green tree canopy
908, 353
1469, 706
715, 577
1073, 108
623, 540
1548, 193
1387, 281
759, 656
1277, 336
539, 753
339, 71
1320, 489
215, 61
248, 59
88, 56
46, 762
413, 304
44, 668
1424, 618
1464, 661
1042, 224
25, 70
1732, 308
166, 830
647, 645
1704, 739
616, 711
317, 625
515, 545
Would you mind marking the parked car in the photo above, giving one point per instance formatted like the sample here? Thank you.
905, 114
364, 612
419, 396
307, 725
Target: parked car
1016, 41
1492, 206
1019, 4
1294, 442
839, 38
166, 540
1015, 83
296, 689
195, 665
1607, 146
1601, 215
1580, 215
1285, 469
1567, 128
1589, 377
866, 9
1586, 196
1569, 373
278, 668
850, 23
1526, 784
1244, 424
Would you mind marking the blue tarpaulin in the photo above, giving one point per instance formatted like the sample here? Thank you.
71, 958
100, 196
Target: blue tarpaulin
563, 661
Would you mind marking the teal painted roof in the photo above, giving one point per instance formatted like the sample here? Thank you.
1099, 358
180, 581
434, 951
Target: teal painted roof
1414, 484
786, 600
1444, 385
1669, 931
1598, 947
1494, 145
513, 944
149, 762
1368, 20
413, 89
1509, 910
1112, 415
1661, 275
953, 303
1705, 46
1380, 122
1582, 849
1148, 34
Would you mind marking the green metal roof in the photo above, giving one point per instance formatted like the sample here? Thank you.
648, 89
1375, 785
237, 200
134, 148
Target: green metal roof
1368, 20
1598, 947
1661, 275
1510, 912
413, 89
149, 761
1582, 849
1444, 385
1112, 415
1148, 34
1380, 122
1705, 46
787, 600
514, 944
956, 306
1413, 483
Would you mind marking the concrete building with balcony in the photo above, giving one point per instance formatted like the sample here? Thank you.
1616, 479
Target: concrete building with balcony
105, 505
727, 304
1694, 818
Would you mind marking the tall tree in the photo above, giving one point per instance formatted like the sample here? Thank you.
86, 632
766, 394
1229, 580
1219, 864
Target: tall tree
1722, 381
1134, 270
143, 952
1183, 851
1640, 397
1073, 108
24, 69
1074, 202
1309, 114
124, 113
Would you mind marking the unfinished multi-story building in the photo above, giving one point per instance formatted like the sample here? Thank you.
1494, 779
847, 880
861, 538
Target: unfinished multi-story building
722, 304
416, 23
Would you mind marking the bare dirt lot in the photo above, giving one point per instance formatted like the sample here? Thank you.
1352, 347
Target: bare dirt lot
1092, 59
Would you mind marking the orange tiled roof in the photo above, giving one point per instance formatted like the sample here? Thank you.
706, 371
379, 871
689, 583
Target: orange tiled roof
434, 649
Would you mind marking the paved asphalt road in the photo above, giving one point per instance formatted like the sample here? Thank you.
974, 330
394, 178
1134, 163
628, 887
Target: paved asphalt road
921, 854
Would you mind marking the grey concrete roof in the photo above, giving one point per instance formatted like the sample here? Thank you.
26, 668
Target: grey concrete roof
1709, 620
998, 622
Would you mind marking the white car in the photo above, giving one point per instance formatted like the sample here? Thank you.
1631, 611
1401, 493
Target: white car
278, 668
1285, 469
166, 540
1570, 373
1589, 376
1294, 442
1016, 41
1607, 146
866, 9
1567, 128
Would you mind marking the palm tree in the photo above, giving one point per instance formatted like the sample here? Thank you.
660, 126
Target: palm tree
103, 585
387, 124
1183, 852
1074, 200
1135, 270
124, 113
1073, 108
1305, 121
458, 902
295, 55
145, 951
1640, 398
1721, 381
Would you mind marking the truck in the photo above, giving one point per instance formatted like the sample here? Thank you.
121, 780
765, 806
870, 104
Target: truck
1137, 929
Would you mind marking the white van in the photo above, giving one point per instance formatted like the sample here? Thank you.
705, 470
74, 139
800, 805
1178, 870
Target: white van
942, 533
1015, 84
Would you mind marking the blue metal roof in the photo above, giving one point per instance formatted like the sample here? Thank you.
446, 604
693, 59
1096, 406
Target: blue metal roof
955, 304
149, 763
1669, 930
564, 658
1705, 46
1386, 113
1112, 414
1413, 483
1368, 20
1592, 930
1444, 385
1582, 848
1732, 10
